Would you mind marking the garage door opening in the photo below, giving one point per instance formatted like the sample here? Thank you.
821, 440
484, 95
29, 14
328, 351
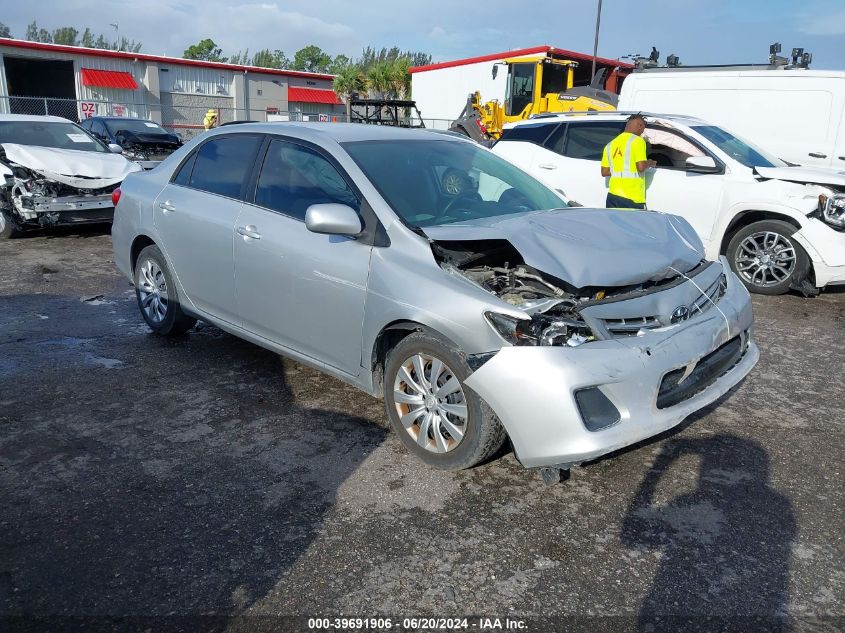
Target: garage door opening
41, 86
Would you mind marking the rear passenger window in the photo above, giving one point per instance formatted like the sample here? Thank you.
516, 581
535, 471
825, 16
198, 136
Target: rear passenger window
587, 140
222, 164
183, 176
537, 133
294, 177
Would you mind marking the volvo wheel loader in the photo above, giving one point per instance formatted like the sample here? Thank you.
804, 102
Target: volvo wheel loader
535, 85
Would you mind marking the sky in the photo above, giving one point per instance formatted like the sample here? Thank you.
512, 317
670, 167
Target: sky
699, 32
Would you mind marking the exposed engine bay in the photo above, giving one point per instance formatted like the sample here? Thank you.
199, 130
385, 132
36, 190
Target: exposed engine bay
34, 194
552, 305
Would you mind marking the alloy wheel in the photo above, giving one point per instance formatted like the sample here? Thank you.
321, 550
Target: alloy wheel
152, 290
765, 259
430, 403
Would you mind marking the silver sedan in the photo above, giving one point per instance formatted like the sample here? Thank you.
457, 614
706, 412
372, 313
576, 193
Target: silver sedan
421, 267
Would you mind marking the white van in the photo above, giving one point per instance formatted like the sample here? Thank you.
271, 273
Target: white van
797, 114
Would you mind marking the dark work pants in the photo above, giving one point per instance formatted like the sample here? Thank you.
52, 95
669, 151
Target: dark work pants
618, 202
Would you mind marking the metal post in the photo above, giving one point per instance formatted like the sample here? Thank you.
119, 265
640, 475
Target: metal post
596, 41
46, 111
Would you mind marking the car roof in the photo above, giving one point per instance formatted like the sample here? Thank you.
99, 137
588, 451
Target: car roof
604, 116
340, 132
122, 118
32, 118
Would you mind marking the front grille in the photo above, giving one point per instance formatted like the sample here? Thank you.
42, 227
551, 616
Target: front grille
630, 327
673, 390
709, 297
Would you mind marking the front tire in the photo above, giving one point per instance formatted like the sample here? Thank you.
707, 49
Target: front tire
156, 295
766, 257
437, 418
8, 226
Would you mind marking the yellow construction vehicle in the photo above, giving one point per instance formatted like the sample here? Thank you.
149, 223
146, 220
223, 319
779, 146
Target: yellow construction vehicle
535, 85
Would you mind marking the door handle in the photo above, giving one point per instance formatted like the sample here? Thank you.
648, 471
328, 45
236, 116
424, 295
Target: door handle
166, 206
249, 231
547, 166
818, 155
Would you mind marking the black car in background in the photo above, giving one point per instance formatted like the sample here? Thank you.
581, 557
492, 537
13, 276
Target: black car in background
144, 142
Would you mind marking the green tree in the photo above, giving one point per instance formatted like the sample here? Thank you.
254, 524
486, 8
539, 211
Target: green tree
400, 78
5, 31
88, 38
32, 31
311, 59
338, 64
205, 50
379, 79
66, 35
349, 81
240, 58
265, 58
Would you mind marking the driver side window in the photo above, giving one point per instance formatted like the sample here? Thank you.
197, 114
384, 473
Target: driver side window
294, 177
670, 150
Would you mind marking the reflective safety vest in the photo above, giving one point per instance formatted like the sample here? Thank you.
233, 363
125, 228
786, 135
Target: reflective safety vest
621, 156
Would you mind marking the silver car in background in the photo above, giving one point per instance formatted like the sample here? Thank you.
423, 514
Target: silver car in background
425, 269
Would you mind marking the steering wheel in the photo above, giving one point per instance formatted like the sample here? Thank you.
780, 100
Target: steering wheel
462, 203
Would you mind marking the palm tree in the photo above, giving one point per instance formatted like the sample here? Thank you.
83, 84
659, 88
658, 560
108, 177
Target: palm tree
349, 81
400, 78
379, 78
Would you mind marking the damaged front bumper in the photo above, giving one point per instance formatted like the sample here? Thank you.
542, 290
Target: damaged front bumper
533, 389
47, 210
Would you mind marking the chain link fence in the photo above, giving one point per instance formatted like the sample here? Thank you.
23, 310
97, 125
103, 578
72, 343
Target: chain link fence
185, 120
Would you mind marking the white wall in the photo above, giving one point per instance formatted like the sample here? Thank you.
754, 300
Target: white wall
442, 93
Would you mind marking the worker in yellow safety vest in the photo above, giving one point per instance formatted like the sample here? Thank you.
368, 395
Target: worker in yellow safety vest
624, 161
210, 119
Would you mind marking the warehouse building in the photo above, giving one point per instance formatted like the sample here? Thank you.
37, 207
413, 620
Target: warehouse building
76, 82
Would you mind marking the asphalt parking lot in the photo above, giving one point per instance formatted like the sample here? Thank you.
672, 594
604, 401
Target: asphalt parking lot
203, 475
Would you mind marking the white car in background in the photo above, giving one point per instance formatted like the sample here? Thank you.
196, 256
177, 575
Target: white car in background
54, 172
780, 225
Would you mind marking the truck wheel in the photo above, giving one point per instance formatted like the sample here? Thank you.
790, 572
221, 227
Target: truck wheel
8, 226
156, 294
766, 258
437, 418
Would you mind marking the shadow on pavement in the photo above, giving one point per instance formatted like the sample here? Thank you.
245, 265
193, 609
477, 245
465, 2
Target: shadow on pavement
724, 546
190, 490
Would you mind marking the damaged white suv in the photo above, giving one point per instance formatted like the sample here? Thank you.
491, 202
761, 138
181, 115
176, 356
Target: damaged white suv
781, 226
54, 172
490, 312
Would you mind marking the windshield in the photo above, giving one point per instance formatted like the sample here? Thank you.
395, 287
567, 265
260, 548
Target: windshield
134, 125
441, 181
738, 149
49, 134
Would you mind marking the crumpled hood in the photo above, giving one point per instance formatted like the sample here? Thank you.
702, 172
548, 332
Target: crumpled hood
127, 138
590, 247
81, 169
817, 175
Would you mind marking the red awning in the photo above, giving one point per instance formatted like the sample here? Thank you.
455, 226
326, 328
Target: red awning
312, 95
108, 79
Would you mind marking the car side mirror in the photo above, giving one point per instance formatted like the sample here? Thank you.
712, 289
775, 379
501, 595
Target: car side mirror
702, 165
114, 148
332, 219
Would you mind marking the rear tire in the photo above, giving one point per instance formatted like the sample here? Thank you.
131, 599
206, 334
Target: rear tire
766, 258
438, 418
156, 295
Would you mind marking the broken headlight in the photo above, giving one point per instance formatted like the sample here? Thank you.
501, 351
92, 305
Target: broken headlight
832, 209
541, 329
